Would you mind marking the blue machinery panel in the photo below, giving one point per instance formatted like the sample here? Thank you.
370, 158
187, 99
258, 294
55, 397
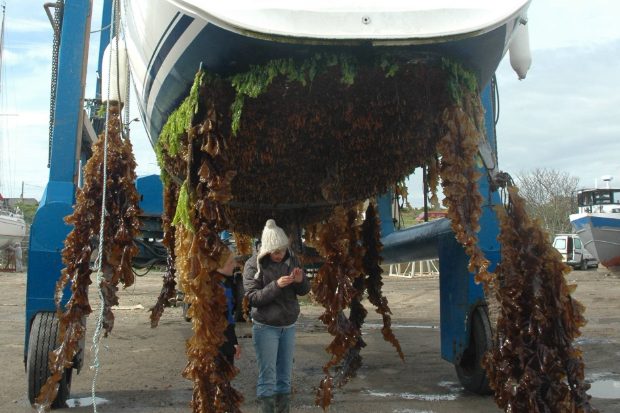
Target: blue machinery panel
151, 201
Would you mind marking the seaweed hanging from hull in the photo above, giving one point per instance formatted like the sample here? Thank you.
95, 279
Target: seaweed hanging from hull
325, 132
199, 218
371, 234
168, 290
370, 282
337, 241
120, 227
306, 141
535, 366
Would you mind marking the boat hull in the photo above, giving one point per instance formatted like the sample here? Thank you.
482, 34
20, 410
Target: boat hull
167, 44
600, 235
12, 230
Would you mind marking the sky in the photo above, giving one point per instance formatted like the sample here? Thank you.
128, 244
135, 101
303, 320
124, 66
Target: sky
564, 116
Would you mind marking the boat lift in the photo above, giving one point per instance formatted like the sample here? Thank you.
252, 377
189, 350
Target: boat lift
464, 325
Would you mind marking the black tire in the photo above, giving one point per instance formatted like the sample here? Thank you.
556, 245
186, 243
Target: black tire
469, 370
43, 339
583, 265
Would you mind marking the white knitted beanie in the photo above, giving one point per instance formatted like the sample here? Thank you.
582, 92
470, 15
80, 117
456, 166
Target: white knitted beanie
273, 239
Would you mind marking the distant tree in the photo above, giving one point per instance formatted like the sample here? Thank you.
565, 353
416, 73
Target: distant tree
28, 210
549, 197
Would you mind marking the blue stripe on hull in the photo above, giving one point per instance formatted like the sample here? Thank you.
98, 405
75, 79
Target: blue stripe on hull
176, 32
156, 53
596, 222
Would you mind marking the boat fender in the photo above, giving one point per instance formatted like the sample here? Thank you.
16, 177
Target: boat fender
114, 73
519, 50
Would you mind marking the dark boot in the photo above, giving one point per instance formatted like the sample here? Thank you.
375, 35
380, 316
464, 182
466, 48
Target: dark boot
267, 404
283, 403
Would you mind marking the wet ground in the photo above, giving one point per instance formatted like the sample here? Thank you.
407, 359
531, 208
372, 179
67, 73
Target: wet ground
141, 367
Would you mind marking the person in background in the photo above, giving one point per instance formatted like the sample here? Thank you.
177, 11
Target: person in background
273, 279
18, 257
230, 349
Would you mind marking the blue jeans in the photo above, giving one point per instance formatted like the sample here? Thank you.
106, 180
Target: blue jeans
274, 348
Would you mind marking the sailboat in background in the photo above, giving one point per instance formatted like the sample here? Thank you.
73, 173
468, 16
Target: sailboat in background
12, 224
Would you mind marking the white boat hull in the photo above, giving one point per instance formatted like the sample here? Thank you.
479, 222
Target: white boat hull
600, 234
12, 230
168, 40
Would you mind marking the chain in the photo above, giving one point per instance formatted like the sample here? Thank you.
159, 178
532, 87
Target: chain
58, 8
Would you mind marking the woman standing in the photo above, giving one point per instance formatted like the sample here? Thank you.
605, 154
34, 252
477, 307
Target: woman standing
273, 279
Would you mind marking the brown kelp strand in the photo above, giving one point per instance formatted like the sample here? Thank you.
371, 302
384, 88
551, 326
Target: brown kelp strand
243, 244
337, 241
535, 367
458, 148
209, 371
371, 237
462, 130
199, 218
121, 226
431, 169
168, 290
352, 359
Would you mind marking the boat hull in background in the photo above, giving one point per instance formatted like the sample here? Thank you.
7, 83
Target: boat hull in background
12, 229
600, 234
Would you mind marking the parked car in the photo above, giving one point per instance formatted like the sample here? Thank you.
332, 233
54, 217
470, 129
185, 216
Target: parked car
573, 252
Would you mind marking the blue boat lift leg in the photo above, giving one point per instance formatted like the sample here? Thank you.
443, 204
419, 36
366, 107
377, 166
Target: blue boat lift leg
71, 138
464, 325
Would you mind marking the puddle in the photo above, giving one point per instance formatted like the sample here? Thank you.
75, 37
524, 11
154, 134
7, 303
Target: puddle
413, 396
605, 389
429, 397
377, 325
451, 386
586, 340
86, 401
379, 394
411, 411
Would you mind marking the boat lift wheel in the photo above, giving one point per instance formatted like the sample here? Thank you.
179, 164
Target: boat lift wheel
469, 370
44, 339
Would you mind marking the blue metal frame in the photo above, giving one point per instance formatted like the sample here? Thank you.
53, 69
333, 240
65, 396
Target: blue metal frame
104, 40
459, 294
48, 230
151, 190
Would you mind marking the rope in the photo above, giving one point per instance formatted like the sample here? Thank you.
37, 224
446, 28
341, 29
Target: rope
99, 261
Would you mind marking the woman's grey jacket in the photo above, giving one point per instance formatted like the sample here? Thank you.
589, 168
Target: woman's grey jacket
271, 304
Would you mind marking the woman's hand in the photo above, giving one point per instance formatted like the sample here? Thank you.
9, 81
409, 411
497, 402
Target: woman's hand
237, 351
284, 281
297, 276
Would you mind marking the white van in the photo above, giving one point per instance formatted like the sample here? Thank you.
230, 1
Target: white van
573, 252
